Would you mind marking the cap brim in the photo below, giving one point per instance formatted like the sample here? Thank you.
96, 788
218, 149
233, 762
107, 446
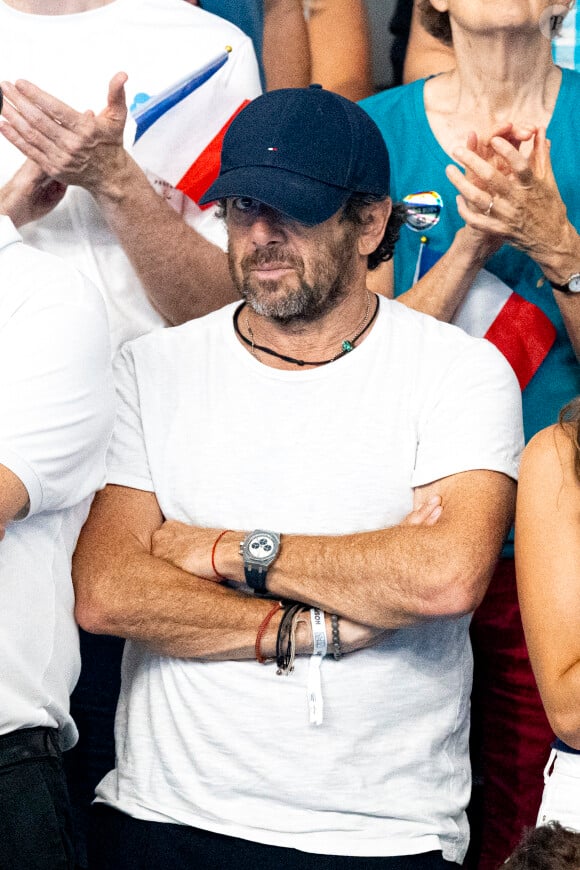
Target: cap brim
302, 199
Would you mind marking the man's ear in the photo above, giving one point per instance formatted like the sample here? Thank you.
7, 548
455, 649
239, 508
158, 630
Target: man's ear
374, 218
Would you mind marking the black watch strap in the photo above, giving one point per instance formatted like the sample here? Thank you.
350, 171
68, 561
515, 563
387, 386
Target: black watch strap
572, 285
256, 578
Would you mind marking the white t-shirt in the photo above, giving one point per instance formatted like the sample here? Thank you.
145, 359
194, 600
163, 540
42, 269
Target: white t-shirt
57, 402
73, 57
226, 441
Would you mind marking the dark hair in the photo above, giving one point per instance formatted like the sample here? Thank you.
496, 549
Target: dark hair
353, 213
435, 23
549, 847
570, 418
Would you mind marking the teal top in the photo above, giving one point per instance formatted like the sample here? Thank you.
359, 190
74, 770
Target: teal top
418, 164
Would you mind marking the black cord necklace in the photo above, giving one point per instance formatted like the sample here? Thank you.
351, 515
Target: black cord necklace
347, 345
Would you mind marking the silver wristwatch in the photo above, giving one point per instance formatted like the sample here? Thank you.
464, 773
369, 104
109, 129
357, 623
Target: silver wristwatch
258, 550
572, 285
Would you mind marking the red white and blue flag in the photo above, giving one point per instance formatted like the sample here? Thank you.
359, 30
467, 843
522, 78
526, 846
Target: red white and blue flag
180, 130
518, 328
492, 310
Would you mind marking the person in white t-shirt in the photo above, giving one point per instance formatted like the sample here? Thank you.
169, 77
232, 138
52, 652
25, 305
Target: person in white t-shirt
373, 451
110, 222
148, 254
57, 399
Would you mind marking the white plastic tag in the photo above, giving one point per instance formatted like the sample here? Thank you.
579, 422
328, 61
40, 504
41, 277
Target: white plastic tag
314, 687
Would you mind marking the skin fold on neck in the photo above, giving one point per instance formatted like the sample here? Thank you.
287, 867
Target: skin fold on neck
503, 77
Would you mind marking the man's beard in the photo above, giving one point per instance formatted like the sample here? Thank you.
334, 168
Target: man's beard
332, 274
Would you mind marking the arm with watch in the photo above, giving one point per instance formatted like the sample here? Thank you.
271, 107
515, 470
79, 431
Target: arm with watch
123, 588
388, 578
129, 587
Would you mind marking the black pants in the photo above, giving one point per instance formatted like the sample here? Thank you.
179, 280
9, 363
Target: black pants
119, 842
92, 705
35, 817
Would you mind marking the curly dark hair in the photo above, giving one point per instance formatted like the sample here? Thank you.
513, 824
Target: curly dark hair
570, 419
353, 213
549, 847
435, 23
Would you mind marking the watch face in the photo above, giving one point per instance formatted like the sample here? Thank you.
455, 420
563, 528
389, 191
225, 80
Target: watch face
260, 547
574, 284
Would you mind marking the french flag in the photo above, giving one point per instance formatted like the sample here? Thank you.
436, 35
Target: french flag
491, 310
518, 328
180, 130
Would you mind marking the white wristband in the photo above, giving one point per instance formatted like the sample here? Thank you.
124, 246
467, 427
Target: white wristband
318, 631
314, 687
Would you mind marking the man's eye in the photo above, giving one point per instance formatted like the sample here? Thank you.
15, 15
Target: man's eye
244, 204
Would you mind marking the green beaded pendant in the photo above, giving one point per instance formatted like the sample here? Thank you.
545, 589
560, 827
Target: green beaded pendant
347, 346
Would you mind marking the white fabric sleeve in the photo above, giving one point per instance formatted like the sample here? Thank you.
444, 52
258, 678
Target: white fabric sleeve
472, 419
127, 461
56, 393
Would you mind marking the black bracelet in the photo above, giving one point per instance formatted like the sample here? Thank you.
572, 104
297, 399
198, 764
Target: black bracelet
336, 647
284, 650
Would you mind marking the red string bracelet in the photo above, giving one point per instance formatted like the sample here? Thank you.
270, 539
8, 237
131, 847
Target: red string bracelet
264, 625
213, 549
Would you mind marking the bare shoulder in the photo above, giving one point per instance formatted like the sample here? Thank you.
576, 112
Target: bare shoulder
550, 450
549, 488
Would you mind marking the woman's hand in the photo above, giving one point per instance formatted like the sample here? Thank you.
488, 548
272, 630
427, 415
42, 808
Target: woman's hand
510, 196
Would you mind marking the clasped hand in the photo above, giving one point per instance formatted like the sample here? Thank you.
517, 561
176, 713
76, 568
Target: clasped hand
507, 195
71, 147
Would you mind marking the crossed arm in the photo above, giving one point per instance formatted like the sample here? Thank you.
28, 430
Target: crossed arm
153, 582
547, 560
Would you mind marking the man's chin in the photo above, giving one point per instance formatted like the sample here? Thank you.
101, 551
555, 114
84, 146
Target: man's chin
274, 299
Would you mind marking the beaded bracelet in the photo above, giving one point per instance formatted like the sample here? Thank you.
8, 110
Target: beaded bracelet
336, 646
263, 626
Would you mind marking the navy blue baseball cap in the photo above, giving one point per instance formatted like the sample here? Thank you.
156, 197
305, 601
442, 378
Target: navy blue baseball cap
304, 152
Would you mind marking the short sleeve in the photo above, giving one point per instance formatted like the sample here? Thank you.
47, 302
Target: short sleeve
127, 461
56, 388
472, 418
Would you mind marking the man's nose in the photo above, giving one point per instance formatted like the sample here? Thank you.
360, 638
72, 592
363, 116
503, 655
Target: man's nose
267, 227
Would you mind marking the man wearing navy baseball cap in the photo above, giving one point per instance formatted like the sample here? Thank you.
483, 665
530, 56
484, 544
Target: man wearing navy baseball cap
308, 492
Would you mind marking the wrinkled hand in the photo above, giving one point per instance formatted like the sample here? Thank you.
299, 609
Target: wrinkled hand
483, 238
71, 147
527, 209
186, 547
516, 136
30, 194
